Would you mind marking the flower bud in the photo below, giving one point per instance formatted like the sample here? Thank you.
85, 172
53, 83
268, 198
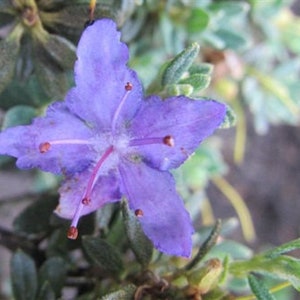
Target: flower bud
205, 278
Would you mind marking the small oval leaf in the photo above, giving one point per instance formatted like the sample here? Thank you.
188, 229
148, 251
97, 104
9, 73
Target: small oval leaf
23, 276
102, 253
259, 289
54, 272
180, 64
46, 292
18, 115
35, 219
9, 51
139, 243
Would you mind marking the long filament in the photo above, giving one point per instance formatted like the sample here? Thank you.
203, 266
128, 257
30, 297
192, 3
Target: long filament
128, 88
73, 232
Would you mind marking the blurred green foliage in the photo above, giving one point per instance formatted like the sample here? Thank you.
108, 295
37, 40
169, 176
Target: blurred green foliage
245, 53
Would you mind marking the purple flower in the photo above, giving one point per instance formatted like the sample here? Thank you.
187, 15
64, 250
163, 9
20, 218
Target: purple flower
109, 142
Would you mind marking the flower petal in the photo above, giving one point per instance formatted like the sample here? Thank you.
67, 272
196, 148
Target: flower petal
152, 195
23, 142
72, 191
101, 75
187, 121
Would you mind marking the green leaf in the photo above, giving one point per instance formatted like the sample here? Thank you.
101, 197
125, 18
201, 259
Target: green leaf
27, 92
201, 68
8, 58
230, 8
233, 249
46, 292
103, 254
287, 247
126, 293
61, 51
213, 40
197, 81
230, 118
281, 267
179, 89
18, 115
35, 219
259, 289
139, 243
50, 75
23, 276
52, 79
231, 39
54, 272
197, 21
180, 64
208, 244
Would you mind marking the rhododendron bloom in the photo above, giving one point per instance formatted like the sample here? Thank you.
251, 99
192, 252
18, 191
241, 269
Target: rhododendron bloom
109, 142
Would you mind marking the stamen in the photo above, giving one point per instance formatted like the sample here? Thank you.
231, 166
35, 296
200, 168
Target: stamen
45, 147
92, 179
86, 201
168, 140
128, 87
138, 212
73, 232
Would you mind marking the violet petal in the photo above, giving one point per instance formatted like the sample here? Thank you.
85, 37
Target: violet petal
23, 142
164, 219
106, 189
101, 74
187, 121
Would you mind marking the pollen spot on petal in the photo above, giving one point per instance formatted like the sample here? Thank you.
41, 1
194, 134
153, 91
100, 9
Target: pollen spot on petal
86, 201
128, 86
138, 212
72, 233
169, 141
44, 147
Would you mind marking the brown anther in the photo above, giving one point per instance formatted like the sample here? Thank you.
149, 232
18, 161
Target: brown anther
44, 147
72, 233
138, 212
169, 141
128, 86
86, 201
